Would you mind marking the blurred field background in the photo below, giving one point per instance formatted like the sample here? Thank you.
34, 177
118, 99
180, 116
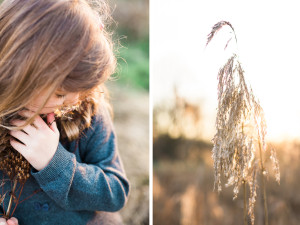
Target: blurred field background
183, 178
129, 93
185, 101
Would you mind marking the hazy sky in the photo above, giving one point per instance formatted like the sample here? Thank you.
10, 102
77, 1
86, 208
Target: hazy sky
268, 47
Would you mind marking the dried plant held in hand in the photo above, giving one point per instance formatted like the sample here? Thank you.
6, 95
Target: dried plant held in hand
12, 163
240, 130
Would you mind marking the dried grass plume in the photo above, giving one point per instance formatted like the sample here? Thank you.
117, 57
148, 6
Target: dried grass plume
239, 141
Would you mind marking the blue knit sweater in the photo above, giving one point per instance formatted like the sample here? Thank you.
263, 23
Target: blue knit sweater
79, 181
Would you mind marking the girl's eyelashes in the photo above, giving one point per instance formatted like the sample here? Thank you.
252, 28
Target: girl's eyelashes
60, 96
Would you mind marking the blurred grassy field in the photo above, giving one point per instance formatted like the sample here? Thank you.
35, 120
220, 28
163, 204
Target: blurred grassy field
183, 176
132, 128
130, 98
184, 179
132, 32
133, 70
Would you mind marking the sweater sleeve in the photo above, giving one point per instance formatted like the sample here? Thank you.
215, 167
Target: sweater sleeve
99, 183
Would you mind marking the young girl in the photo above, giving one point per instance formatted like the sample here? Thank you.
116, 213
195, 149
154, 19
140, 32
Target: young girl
60, 163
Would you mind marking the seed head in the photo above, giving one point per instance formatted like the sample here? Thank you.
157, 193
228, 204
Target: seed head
240, 130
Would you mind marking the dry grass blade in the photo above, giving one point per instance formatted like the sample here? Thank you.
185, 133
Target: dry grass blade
275, 164
2, 198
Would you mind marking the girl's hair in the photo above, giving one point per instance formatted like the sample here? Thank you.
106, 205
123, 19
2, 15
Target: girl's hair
50, 45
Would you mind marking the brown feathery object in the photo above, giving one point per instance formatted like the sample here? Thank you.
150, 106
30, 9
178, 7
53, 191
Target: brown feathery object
72, 120
12, 163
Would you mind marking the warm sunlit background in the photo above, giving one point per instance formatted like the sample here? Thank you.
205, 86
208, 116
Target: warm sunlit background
184, 90
268, 46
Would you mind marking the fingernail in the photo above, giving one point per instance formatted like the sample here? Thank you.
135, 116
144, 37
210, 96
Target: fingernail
52, 122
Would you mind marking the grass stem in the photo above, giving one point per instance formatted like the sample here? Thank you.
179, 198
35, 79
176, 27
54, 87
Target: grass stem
245, 202
263, 186
11, 198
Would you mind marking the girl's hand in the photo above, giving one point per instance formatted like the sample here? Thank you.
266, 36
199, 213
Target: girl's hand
40, 142
11, 221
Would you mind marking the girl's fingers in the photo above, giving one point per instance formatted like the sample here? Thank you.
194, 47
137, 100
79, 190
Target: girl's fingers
3, 221
51, 122
38, 121
19, 147
12, 221
20, 135
28, 129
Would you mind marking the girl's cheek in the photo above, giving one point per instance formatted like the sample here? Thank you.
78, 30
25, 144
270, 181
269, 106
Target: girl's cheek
52, 103
72, 100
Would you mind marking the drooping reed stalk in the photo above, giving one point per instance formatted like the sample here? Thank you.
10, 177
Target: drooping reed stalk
240, 132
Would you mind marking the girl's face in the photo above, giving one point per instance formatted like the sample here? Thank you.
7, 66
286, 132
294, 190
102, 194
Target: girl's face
58, 99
